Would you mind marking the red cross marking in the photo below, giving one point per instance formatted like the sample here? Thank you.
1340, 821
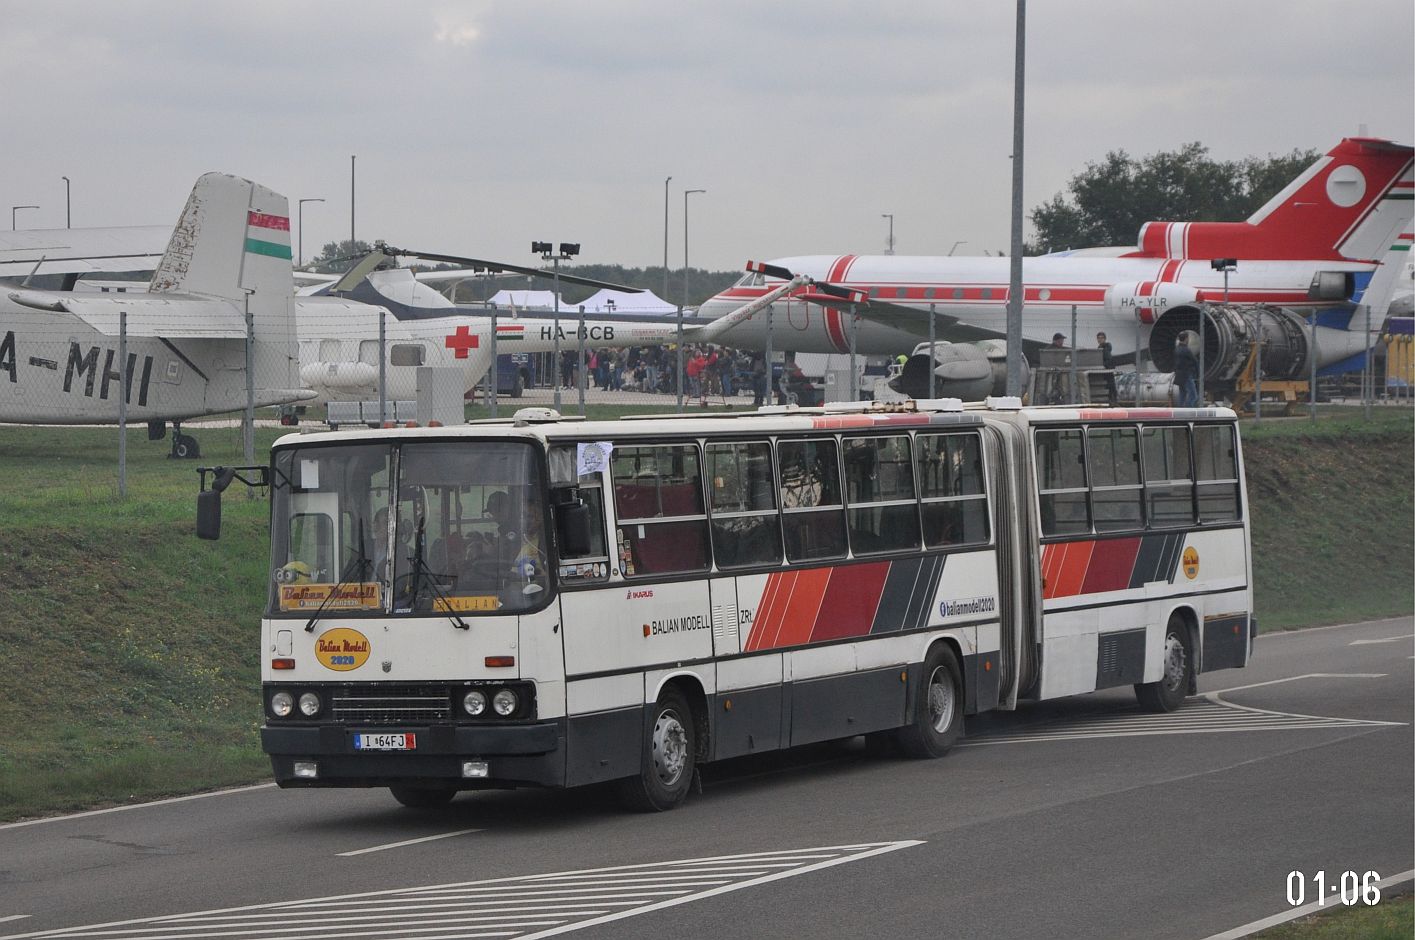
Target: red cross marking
462, 341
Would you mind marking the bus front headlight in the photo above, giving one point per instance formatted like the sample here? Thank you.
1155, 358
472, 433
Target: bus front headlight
281, 704
310, 704
505, 702
474, 703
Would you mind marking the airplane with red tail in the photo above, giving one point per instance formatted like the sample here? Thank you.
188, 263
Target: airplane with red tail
1298, 271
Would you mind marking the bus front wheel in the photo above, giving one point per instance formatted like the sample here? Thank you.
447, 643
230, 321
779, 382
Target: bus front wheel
938, 707
423, 797
668, 758
1169, 692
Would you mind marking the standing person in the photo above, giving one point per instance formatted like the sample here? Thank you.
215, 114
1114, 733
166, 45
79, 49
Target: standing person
1186, 372
651, 369
1058, 341
758, 379
1108, 362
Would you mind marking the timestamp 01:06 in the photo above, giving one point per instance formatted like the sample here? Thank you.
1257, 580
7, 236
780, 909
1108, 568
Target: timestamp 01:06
1349, 888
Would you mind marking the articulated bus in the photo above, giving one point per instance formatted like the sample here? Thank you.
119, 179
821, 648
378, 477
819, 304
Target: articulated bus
553, 602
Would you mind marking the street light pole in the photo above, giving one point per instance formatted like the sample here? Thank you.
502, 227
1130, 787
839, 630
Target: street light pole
16, 209
1225, 265
67, 219
567, 251
1014, 281
889, 245
302, 228
352, 158
665, 236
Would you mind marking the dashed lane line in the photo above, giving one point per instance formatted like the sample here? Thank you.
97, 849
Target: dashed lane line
527, 907
399, 845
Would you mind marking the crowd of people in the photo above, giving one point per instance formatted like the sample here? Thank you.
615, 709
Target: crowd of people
708, 371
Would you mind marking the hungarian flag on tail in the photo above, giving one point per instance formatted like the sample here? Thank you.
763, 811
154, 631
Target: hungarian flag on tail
268, 235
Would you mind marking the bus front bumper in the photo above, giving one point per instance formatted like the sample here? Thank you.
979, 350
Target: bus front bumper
465, 757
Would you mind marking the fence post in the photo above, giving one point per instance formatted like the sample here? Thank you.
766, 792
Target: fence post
933, 362
580, 365
1075, 390
382, 367
854, 332
123, 404
248, 419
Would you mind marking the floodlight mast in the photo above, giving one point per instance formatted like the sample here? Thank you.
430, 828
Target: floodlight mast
567, 251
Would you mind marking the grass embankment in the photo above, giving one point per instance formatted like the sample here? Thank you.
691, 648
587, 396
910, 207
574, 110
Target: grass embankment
132, 646
1332, 509
1392, 919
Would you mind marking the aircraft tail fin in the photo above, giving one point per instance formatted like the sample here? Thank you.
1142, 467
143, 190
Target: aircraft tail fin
232, 241
1345, 206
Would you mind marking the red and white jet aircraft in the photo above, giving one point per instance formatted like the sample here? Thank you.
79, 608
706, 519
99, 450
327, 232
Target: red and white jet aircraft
1316, 245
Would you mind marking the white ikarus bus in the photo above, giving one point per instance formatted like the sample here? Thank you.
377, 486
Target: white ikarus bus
555, 602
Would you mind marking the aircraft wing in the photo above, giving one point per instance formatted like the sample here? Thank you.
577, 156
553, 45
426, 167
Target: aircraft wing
82, 250
161, 316
907, 319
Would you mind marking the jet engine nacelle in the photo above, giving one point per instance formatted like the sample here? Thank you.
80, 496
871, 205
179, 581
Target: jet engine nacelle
1148, 300
968, 371
1229, 332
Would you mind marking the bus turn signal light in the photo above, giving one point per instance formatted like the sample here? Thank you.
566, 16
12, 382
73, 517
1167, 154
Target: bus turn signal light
282, 664
494, 662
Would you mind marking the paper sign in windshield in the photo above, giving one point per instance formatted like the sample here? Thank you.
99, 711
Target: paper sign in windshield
460, 604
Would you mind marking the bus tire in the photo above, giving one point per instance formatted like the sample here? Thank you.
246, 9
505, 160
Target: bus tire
1173, 686
938, 707
668, 757
423, 797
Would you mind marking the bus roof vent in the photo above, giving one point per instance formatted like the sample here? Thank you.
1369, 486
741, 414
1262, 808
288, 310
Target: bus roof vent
525, 416
1003, 403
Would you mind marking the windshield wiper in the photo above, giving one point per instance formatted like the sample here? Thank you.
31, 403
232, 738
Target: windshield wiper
355, 566
420, 566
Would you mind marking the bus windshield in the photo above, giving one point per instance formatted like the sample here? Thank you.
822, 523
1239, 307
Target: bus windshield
420, 528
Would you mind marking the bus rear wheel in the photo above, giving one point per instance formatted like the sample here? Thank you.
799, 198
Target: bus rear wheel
668, 760
938, 707
423, 797
1173, 686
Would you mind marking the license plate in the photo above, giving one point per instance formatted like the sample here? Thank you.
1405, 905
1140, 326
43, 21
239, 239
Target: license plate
385, 742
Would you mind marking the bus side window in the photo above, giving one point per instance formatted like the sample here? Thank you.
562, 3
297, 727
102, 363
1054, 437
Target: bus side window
1216, 469
658, 499
1169, 480
879, 486
746, 529
1061, 482
813, 515
954, 503
1114, 462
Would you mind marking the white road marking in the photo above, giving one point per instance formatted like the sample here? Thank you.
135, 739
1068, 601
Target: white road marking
1249, 929
527, 907
399, 845
1309, 675
129, 806
14, 917
1209, 715
1389, 639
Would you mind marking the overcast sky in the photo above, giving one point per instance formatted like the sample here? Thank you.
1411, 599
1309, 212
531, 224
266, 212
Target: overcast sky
481, 126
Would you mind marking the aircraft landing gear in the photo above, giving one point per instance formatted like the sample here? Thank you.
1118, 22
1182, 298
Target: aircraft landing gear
184, 446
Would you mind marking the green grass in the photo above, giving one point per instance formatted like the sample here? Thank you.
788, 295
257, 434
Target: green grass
133, 646
1391, 919
1331, 510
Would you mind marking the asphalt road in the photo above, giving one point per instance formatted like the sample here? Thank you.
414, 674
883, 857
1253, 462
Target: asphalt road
1078, 818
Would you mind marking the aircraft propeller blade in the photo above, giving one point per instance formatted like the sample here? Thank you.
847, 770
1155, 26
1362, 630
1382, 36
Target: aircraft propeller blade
497, 267
824, 287
358, 272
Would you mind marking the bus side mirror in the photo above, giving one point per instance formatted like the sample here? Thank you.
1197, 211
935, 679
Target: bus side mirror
209, 501
572, 524
209, 515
